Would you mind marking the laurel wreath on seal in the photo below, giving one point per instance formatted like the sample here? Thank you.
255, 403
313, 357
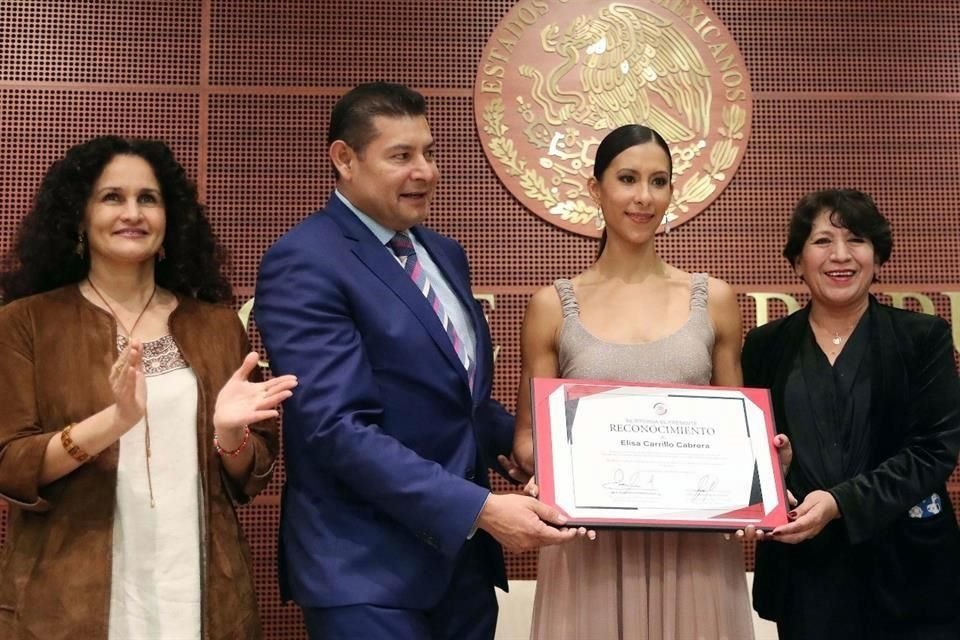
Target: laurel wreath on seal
503, 149
695, 189
700, 185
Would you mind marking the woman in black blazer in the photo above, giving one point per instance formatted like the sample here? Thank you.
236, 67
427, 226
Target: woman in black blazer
869, 397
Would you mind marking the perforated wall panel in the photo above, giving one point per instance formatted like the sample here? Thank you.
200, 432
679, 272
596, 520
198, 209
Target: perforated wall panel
115, 42
845, 94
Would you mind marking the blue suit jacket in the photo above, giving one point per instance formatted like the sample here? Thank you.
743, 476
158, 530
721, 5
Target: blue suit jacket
386, 449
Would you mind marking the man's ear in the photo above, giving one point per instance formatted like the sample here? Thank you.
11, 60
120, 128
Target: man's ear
343, 158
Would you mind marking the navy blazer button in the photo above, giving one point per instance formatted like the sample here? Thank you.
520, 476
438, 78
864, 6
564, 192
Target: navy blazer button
469, 474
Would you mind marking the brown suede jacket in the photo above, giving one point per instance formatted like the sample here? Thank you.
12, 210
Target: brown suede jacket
56, 350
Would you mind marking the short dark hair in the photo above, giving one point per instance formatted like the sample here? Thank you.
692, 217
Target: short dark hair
847, 208
352, 117
618, 141
44, 255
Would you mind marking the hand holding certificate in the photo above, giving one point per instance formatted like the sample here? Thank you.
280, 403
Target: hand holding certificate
637, 455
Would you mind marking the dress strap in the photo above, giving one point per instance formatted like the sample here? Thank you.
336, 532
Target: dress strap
568, 299
698, 290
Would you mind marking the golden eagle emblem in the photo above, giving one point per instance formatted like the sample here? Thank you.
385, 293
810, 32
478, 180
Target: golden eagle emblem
548, 92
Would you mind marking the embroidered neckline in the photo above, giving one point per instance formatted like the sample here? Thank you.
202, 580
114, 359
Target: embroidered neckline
159, 356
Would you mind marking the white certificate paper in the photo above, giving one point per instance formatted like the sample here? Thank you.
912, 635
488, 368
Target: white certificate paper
615, 454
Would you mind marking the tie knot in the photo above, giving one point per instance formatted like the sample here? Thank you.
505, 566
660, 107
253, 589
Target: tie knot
401, 244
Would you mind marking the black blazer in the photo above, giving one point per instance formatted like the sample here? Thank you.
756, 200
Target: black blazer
915, 435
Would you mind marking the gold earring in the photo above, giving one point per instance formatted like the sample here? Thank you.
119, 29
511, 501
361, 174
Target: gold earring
666, 224
599, 219
162, 254
81, 248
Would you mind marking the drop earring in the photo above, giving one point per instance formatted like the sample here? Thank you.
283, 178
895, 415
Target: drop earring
666, 224
599, 219
81, 248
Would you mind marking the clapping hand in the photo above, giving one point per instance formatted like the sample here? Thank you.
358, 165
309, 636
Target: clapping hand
241, 402
129, 386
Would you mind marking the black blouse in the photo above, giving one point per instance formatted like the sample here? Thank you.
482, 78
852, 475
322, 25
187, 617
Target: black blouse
829, 406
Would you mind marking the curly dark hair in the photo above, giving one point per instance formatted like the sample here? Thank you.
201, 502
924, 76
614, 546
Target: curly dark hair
44, 255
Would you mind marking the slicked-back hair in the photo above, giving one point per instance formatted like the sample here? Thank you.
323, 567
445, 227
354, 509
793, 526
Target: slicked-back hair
849, 209
44, 255
352, 117
618, 141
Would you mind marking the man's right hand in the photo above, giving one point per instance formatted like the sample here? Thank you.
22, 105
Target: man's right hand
521, 523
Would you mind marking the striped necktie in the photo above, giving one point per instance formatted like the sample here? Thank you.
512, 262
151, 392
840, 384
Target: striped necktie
402, 247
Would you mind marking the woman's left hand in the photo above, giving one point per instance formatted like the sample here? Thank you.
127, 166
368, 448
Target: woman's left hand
784, 451
748, 534
513, 468
814, 513
241, 402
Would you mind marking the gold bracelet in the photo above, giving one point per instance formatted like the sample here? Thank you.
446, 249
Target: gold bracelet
71, 447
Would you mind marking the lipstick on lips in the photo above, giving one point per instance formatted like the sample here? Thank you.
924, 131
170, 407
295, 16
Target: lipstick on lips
840, 274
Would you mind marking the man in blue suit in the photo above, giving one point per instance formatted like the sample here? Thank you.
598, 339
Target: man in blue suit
388, 527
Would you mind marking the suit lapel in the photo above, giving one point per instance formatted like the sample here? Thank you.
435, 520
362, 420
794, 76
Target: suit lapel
378, 259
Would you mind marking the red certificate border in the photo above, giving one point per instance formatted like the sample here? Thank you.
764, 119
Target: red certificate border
541, 388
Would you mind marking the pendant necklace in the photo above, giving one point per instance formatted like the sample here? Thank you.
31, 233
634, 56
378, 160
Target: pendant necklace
129, 332
836, 338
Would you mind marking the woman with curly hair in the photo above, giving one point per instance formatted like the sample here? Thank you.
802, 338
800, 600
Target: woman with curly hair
130, 425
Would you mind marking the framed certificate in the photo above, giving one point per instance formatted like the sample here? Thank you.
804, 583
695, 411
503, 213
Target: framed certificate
616, 454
